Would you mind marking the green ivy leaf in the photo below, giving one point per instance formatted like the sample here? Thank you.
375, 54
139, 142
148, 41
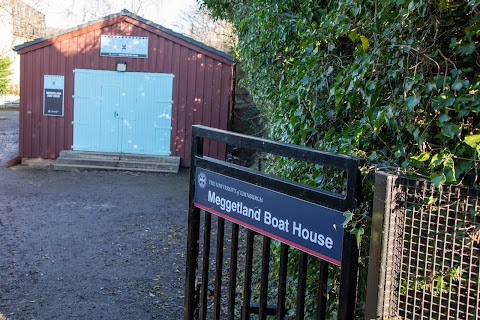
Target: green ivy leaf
450, 130
435, 161
457, 85
371, 85
466, 48
348, 217
431, 86
453, 43
358, 235
473, 140
353, 35
438, 179
422, 157
365, 43
443, 118
412, 102
446, 101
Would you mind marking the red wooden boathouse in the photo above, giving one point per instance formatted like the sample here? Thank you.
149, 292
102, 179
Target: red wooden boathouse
121, 84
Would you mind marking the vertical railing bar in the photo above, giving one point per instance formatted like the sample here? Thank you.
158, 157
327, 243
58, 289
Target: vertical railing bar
302, 285
427, 246
477, 312
190, 306
348, 278
282, 282
219, 269
354, 184
458, 226
418, 271
233, 271
476, 205
247, 286
262, 314
421, 265
410, 254
471, 255
393, 253
397, 233
400, 240
408, 224
349, 268
463, 253
191, 291
477, 306
438, 247
207, 231
452, 260
476, 220
322, 290
471, 264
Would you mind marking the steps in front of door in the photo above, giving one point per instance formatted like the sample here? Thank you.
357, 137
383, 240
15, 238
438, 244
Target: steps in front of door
80, 160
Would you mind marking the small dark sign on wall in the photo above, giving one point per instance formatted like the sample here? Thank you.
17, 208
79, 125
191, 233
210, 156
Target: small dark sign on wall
53, 95
304, 225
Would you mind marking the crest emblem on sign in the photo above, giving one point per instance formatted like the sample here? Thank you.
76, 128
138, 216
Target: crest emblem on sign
202, 180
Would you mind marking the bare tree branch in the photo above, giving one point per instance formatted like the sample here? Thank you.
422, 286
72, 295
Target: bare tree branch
197, 24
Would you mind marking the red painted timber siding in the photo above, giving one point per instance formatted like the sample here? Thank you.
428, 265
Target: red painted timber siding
202, 91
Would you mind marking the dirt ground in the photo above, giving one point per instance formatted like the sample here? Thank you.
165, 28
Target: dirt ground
89, 245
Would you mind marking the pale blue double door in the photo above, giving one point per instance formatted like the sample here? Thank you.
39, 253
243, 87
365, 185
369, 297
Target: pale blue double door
122, 112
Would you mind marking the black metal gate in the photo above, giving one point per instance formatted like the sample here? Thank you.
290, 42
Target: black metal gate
213, 295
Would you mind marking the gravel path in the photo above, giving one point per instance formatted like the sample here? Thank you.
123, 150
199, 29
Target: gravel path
89, 245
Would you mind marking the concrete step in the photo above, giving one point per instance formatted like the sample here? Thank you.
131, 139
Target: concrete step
70, 167
118, 156
79, 160
88, 155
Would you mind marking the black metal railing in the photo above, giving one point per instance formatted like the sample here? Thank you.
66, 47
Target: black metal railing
231, 250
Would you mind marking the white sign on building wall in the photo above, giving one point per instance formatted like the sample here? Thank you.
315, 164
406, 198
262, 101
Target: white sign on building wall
123, 46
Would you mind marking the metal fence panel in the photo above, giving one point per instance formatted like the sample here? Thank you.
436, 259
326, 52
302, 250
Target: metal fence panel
425, 251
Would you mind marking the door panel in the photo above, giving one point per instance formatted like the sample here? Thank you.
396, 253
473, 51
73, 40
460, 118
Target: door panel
108, 123
147, 124
126, 112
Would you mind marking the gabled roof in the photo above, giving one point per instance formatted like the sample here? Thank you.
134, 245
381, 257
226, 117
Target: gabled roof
123, 13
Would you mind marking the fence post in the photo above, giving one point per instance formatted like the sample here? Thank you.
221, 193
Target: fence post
382, 280
190, 307
348, 278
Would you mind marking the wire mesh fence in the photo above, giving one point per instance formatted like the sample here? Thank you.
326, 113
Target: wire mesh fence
431, 251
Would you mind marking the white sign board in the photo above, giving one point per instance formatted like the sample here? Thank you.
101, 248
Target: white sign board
123, 46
